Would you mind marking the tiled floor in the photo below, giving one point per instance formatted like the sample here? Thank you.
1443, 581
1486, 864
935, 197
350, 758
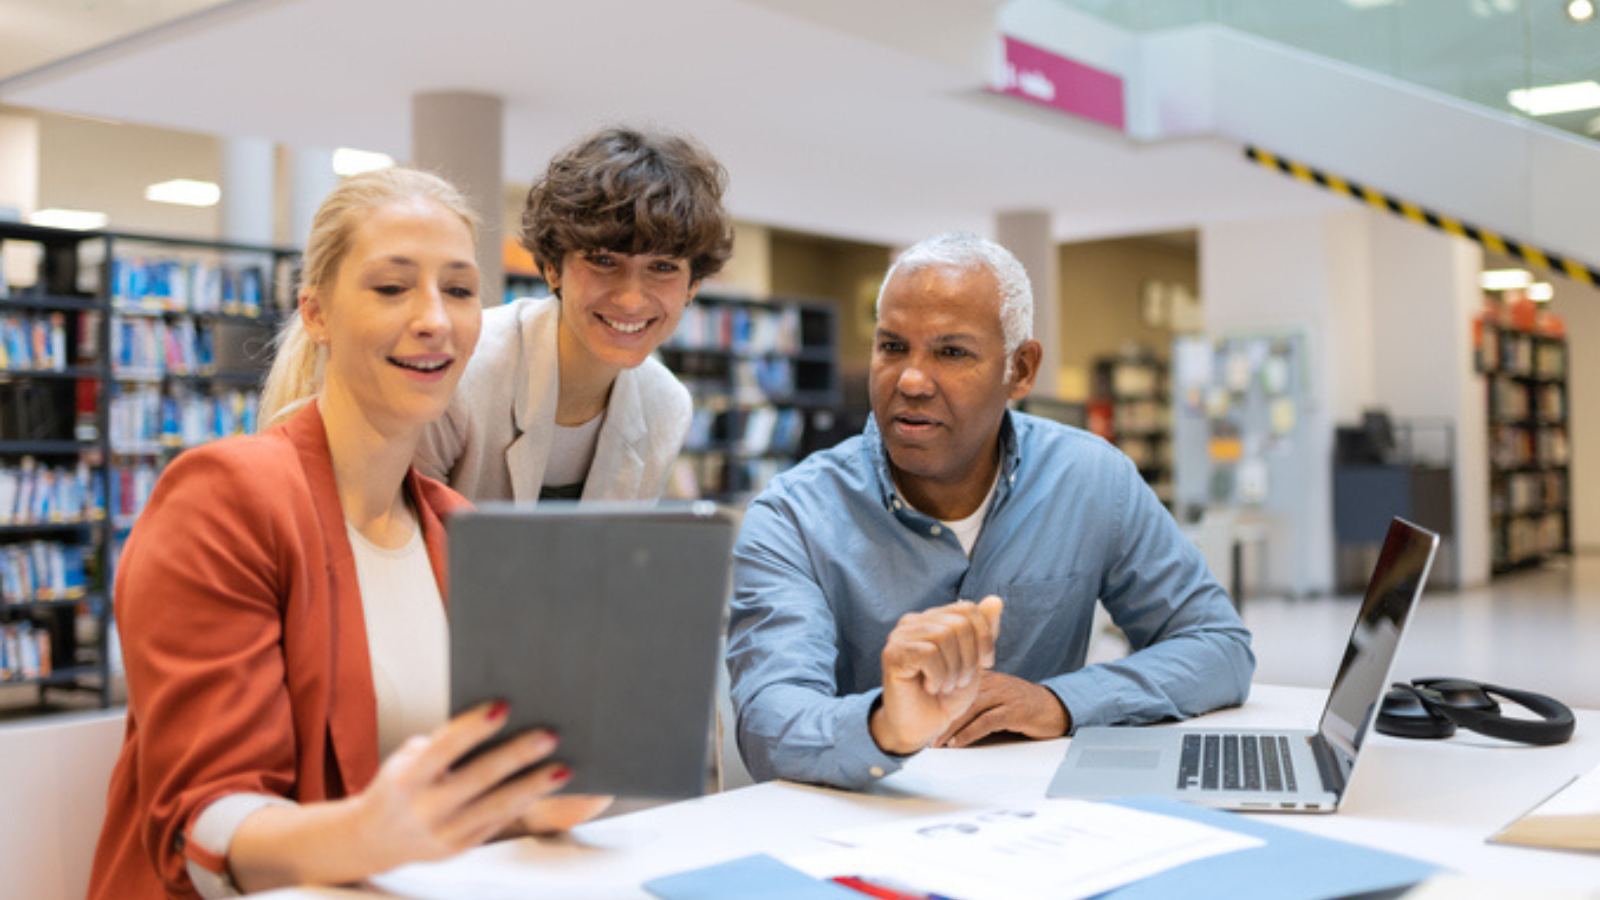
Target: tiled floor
1538, 630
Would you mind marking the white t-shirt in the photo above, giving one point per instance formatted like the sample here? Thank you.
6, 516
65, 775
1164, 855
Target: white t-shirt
966, 529
408, 638
572, 452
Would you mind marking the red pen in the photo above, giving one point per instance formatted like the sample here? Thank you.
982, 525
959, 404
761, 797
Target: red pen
862, 886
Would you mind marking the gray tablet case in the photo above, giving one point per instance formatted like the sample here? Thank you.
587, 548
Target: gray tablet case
601, 621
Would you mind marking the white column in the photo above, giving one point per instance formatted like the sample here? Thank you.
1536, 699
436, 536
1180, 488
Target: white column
1026, 233
19, 192
460, 135
311, 178
1305, 275
19, 165
1425, 294
248, 169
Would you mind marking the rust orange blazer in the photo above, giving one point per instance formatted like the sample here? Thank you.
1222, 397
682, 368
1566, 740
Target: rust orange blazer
245, 648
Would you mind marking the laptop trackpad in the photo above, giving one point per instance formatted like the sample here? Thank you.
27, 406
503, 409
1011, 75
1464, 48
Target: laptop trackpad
1119, 758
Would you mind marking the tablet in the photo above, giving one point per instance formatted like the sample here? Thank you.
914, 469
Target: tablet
601, 621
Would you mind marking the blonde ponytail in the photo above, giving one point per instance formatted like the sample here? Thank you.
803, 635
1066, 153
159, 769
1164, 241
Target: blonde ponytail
296, 374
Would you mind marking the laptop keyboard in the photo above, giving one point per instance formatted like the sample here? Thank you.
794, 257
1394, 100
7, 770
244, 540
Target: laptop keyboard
1236, 762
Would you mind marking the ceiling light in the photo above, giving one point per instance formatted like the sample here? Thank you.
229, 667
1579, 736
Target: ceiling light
1541, 291
1556, 98
1505, 279
1580, 10
354, 162
1368, 4
74, 219
184, 192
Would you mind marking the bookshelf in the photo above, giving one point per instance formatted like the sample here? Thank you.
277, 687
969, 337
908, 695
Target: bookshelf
117, 351
764, 376
1131, 406
1524, 366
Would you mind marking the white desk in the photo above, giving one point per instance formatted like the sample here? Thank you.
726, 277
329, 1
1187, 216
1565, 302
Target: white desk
1432, 800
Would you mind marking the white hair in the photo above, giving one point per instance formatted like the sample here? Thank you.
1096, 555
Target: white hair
965, 251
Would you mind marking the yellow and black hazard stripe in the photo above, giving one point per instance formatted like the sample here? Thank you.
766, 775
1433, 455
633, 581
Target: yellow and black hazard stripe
1499, 243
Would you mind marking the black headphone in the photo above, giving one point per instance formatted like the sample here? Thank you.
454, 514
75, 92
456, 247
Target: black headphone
1434, 707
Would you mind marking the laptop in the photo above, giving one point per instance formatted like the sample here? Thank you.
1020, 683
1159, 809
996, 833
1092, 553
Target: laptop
602, 622
1268, 769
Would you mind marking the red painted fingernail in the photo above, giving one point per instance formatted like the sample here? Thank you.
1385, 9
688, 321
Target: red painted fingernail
498, 710
560, 773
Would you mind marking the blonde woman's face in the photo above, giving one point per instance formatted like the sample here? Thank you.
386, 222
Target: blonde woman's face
402, 315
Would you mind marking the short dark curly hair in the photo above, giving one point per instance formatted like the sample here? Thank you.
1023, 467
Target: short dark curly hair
634, 191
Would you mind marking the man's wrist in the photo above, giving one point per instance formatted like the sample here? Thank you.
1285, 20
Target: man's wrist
885, 736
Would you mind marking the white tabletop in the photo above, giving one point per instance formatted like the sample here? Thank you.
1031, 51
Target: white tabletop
1434, 800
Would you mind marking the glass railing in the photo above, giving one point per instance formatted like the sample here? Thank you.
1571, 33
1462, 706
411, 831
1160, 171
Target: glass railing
1489, 52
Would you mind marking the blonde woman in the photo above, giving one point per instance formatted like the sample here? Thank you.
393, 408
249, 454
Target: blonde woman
280, 604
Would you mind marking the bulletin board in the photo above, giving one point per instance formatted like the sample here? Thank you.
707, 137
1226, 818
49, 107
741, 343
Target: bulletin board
1239, 408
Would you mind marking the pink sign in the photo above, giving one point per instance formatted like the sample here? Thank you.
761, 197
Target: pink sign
1062, 84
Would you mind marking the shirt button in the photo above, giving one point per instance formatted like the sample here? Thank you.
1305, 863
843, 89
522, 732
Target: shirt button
876, 771
935, 530
896, 504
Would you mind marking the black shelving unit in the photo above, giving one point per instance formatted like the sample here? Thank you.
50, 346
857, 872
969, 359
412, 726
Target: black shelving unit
765, 379
1132, 387
1525, 377
59, 411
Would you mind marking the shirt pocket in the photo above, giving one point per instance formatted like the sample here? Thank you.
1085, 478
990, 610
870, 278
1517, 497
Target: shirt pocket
1046, 627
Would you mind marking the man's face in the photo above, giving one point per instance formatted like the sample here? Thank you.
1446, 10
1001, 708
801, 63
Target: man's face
938, 383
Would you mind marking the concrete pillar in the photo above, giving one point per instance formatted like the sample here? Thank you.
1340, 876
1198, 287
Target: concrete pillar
460, 136
1026, 233
248, 167
1425, 294
1309, 277
19, 166
19, 193
311, 178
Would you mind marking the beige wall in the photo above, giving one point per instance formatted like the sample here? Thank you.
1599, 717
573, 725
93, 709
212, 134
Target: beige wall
101, 166
845, 272
1101, 284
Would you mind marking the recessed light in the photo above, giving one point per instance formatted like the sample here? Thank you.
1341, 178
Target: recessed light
1541, 292
1580, 10
1504, 279
353, 162
1556, 98
184, 192
73, 219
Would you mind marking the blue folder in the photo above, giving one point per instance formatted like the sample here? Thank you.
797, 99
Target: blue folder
1291, 865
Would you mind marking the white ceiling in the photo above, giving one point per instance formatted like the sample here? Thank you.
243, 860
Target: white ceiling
828, 122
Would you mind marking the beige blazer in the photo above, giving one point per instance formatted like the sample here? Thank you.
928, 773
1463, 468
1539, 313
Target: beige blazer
494, 441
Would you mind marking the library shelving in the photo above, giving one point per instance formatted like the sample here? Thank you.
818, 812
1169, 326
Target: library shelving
116, 352
1131, 406
764, 375
1524, 365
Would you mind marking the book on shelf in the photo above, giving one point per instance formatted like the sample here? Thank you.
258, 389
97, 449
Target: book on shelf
186, 285
41, 571
33, 342
25, 651
34, 494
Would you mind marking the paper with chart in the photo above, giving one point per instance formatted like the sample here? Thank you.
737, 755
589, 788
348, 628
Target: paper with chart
1059, 849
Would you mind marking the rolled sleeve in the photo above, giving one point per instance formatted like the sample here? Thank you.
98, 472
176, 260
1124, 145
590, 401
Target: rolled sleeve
206, 848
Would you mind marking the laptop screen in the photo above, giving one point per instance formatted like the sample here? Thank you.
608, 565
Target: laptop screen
1364, 672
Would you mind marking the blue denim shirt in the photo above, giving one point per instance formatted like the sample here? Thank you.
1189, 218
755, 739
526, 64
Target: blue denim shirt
829, 558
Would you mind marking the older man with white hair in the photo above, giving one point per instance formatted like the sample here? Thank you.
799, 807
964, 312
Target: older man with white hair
855, 640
